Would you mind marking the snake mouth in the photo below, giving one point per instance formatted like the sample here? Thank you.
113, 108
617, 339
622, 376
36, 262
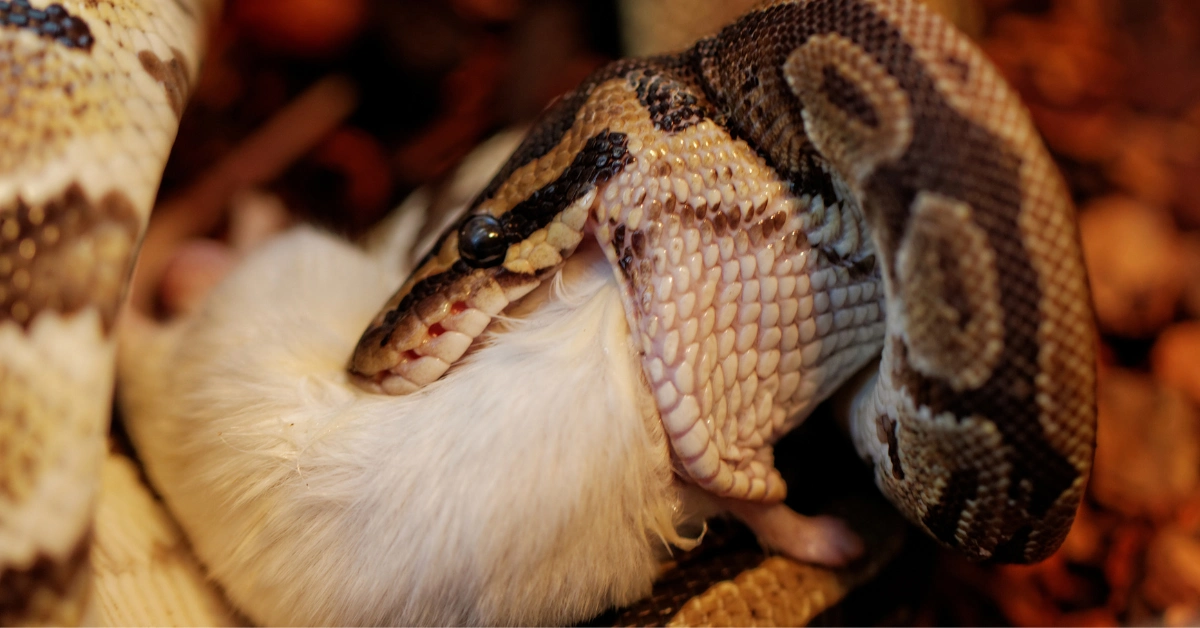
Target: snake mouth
440, 312
414, 342
437, 315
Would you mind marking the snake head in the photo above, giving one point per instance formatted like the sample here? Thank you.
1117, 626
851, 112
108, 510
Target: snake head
477, 269
432, 320
518, 233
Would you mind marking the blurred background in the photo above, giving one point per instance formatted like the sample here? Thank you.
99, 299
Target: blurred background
337, 109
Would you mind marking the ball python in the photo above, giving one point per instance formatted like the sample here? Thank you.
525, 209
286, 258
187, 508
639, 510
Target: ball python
904, 145
820, 183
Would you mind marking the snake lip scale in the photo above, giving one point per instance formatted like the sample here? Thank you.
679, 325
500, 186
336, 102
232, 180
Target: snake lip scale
820, 183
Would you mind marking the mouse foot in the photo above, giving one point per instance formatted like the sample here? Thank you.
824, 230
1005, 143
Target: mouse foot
822, 539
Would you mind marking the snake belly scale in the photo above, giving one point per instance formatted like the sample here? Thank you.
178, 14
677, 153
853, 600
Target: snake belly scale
821, 183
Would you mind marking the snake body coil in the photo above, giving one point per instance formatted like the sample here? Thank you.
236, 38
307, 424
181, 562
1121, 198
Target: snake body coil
820, 181
91, 99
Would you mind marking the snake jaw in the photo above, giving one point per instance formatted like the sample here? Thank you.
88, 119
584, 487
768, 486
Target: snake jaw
424, 329
439, 313
413, 343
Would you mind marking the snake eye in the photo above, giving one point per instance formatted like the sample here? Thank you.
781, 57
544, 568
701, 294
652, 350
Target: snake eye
481, 241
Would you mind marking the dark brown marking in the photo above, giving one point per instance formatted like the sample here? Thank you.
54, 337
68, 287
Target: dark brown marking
1032, 7
779, 219
646, 268
507, 279
960, 67
845, 95
637, 241
829, 255
885, 429
942, 519
654, 231
719, 225
688, 214
63, 579
625, 263
864, 266
768, 227
54, 23
172, 75
40, 248
626, 258
672, 106
755, 233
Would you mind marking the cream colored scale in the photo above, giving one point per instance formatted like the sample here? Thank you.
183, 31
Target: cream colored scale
744, 334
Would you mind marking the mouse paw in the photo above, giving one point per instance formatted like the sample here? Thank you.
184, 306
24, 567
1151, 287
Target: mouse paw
823, 539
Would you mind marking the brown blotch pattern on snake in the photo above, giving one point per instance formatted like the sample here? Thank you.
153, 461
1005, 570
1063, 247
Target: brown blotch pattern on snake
49, 591
172, 74
949, 293
53, 22
65, 255
856, 113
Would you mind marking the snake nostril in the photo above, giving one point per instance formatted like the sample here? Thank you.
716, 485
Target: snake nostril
481, 241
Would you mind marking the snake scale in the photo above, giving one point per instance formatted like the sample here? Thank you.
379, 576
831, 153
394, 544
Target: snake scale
819, 185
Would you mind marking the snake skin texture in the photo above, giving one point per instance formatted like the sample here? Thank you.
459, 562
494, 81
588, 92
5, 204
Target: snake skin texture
91, 99
821, 183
